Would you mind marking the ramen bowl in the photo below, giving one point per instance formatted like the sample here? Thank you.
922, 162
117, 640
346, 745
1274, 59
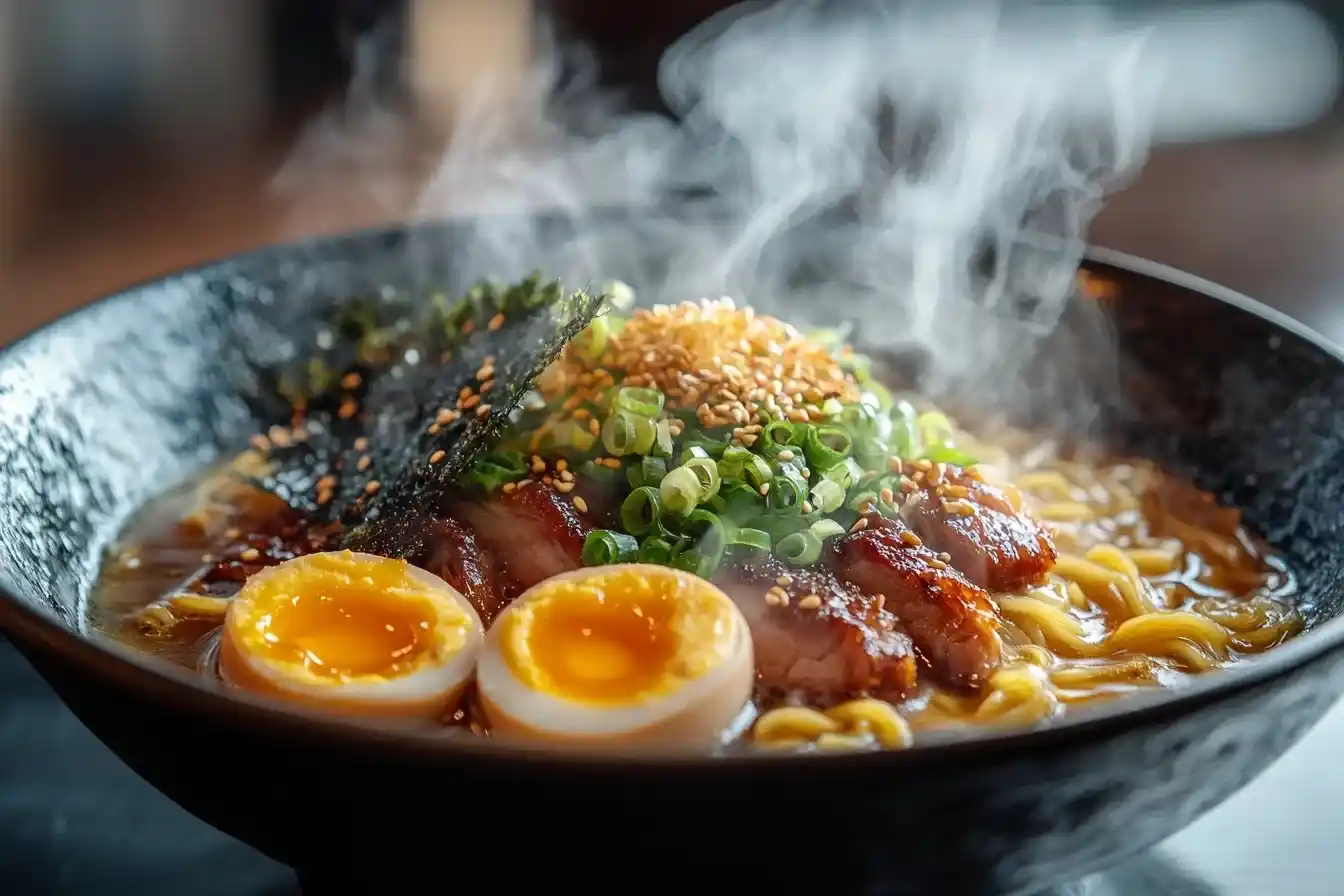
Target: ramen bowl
106, 408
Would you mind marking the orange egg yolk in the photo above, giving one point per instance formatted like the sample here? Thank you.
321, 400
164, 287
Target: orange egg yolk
342, 622
604, 645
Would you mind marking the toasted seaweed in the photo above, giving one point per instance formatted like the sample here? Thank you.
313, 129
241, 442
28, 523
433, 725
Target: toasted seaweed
403, 399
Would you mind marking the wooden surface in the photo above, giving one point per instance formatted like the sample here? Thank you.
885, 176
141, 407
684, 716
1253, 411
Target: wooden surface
1264, 216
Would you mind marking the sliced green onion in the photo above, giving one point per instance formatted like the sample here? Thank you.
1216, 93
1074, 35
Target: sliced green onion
706, 471
598, 472
680, 490
641, 510
788, 490
904, 435
662, 438
571, 438
653, 469
748, 540
624, 433
827, 496
592, 342
779, 435
603, 547
799, 549
740, 502
946, 454
734, 461
845, 474
497, 468
871, 453
934, 429
709, 541
700, 446
827, 446
757, 472
655, 550
863, 501
639, 401
619, 294
825, 529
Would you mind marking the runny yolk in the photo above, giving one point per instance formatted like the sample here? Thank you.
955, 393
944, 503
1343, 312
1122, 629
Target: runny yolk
605, 644
338, 627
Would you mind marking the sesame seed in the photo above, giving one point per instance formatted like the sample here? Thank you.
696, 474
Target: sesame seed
786, 454
496, 322
437, 457
937, 564
446, 416
468, 327
327, 482
372, 487
807, 507
887, 496
510, 487
566, 476
347, 410
764, 489
859, 525
955, 491
364, 463
910, 538
351, 381
594, 427
251, 555
259, 442
469, 402
960, 508
487, 372
233, 532
580, 504
562, 486
811, 602
361, 444
771, 598
434, 429
561, 465
483, 411
944, 556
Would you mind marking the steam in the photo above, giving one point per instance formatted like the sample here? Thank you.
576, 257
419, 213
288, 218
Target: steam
926, 171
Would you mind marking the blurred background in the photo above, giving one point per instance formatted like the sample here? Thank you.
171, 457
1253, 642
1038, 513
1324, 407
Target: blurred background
141, 135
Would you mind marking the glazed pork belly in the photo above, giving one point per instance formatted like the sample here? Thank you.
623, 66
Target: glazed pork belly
992, 543
533, 532
817, 636
950, 620
456, 555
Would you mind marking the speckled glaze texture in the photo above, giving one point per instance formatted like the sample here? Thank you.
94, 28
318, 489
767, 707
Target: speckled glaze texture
105, 408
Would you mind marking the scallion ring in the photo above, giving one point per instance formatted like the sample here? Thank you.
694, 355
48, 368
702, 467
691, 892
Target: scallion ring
827, 446
603, 547
641, 510
680, 490
639, 401
799, 549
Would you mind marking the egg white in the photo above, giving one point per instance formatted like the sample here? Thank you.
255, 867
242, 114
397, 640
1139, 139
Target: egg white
430, 689
698, 713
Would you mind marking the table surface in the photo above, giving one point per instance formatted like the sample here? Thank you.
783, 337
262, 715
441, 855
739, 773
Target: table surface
1263, 216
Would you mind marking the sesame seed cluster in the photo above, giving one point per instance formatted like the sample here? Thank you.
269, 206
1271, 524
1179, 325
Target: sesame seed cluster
734, 367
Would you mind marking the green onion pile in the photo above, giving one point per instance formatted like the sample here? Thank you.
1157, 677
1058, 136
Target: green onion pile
694, 498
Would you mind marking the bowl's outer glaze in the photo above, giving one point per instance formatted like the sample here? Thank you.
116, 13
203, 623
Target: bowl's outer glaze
106, 407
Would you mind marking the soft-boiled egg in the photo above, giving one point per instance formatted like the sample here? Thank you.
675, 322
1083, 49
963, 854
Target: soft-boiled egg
622, 654
352, 633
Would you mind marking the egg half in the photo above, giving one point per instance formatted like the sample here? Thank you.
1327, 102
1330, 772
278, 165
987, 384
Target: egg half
352, 633
622, 654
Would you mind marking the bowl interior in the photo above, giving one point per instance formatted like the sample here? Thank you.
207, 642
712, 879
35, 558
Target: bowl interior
112, 405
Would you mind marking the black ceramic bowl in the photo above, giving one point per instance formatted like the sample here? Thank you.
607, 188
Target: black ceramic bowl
106, 407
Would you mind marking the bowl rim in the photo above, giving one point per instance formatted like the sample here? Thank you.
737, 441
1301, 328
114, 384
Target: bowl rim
184, 692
